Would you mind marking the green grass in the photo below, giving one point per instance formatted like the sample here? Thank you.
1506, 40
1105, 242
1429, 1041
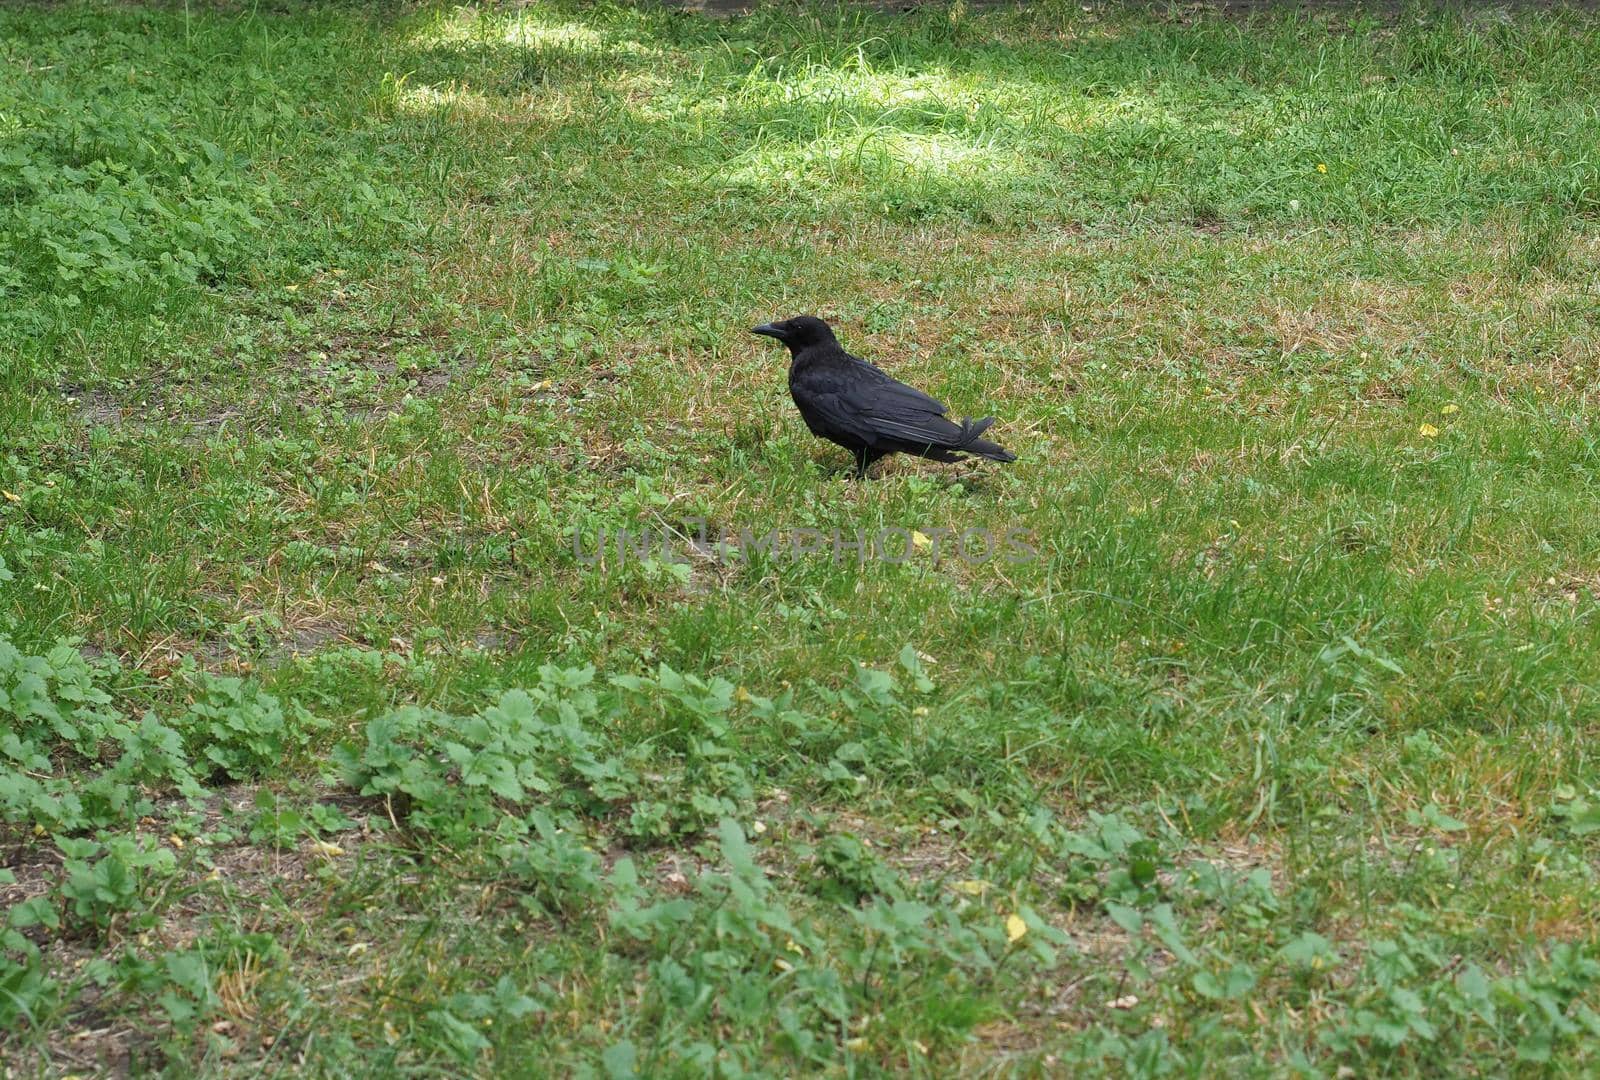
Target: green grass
323, 329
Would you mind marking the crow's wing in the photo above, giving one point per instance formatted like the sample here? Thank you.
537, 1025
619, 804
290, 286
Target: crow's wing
862, 401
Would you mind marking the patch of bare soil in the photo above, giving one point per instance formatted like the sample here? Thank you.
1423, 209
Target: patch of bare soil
96, 407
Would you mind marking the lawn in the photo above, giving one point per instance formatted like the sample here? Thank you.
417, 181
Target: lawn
341, 735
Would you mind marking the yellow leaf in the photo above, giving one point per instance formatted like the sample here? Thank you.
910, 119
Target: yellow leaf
920, 539
1451, 409
855, 1045
327, 848
1015, 928
11, 496
972, 888
1428, 431
1321, 167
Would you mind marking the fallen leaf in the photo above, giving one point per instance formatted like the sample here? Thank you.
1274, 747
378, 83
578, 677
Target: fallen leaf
1015, 927
1427, 431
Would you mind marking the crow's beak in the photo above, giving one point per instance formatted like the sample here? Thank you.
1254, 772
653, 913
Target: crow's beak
767, 329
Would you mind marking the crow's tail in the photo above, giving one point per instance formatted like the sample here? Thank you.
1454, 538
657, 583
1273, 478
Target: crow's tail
971, 444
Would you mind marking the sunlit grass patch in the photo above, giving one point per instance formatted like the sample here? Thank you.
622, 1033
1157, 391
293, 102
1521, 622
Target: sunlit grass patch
880, 159
454, 102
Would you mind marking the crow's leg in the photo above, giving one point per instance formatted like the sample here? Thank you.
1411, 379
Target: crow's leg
864, 460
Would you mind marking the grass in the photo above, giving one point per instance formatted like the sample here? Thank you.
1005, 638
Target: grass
335, 338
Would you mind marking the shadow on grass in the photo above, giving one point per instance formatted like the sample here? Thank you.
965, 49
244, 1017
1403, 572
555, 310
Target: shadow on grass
1041, 116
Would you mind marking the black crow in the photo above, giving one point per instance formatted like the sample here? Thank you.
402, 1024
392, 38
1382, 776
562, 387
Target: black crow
853, 403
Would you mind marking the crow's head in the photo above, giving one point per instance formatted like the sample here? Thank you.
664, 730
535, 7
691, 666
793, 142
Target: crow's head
798, 333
